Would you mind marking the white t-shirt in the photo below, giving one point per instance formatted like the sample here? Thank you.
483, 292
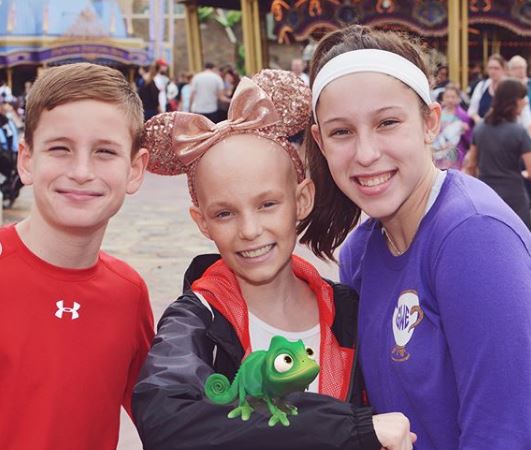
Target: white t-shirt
305, 78
161, 81
525, 116
206, 86
261, 334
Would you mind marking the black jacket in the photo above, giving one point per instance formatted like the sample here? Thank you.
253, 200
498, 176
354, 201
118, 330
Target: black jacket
170, 409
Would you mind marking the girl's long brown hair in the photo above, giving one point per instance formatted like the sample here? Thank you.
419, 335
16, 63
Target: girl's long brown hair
504, 106
334, 214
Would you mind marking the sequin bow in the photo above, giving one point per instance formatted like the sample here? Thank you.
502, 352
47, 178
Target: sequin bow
250, 109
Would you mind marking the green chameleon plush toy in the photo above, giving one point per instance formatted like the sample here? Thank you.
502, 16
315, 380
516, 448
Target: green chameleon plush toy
269, 376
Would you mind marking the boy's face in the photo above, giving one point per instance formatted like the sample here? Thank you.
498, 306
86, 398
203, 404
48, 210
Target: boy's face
80, 165
249, 205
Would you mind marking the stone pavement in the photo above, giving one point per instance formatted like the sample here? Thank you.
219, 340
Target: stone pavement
154, 234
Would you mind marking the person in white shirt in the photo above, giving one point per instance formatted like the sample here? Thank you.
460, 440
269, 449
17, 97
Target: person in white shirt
297, 67
518, 69
161, 79
207, 89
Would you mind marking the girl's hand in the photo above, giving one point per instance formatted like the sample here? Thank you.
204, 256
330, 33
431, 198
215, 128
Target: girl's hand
392, 430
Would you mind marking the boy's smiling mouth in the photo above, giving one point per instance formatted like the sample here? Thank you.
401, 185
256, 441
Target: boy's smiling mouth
79, 194
255, 253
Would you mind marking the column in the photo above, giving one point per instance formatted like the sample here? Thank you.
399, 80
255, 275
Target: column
464, 44
252, 40
193, 38
453, 40
9, 80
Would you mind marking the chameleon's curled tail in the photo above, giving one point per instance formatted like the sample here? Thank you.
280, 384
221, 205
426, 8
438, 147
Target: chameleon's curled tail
219, 390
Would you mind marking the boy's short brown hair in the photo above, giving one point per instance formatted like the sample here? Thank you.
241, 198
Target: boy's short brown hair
83, 81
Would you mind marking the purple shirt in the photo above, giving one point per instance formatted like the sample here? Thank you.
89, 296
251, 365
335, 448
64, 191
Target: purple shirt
445, 328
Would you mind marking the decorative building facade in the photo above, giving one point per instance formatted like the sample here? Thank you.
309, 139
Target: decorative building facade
41, 33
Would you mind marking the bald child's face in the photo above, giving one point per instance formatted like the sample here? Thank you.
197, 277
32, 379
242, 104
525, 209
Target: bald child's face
249, 205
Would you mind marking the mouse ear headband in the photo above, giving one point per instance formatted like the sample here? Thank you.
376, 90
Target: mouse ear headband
275, 104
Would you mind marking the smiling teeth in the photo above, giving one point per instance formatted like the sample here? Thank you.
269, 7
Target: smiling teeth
257, 252
374, 181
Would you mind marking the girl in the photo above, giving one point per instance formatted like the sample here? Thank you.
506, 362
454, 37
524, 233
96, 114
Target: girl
499, 143
443, 266
452, 142
248, 189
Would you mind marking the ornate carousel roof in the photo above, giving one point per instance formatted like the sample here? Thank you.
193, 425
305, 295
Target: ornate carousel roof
53, 31
298, 19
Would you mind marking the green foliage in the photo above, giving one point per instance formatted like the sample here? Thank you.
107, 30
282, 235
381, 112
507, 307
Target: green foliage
205, 13
233, 17
227, 19
240, 59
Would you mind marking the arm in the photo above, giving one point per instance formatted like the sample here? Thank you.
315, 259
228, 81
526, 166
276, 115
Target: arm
171, 412
470, 163
193, 87
474, 101
221, 92
526, 157
144, 327
526, 154
482, 281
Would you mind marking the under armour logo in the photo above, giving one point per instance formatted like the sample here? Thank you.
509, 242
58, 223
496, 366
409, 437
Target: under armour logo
62, 309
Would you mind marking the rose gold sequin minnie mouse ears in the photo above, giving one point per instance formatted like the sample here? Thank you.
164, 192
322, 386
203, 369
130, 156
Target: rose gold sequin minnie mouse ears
275, 104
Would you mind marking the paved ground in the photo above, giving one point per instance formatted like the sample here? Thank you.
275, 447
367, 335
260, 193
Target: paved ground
154, 234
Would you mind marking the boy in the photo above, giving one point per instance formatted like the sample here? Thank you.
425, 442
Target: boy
75, 322
249, 191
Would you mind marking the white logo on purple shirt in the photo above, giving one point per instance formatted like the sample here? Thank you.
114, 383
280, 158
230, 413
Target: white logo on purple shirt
407, 315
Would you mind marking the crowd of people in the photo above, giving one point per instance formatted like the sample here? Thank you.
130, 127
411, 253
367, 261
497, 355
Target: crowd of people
12, 112
423, 343
500, 106
207, 92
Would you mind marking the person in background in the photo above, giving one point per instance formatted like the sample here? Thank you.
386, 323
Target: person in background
439, 83
518, 69
297, 67
149, 92
482, 97
475, 75
499, 143
5, 92
161, 79
22, 99
11, 128
185, 91
452, 142
172, 91
207, 91
230, 82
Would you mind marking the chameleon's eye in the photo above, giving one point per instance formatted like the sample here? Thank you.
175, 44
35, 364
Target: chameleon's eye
283, 363
310, 352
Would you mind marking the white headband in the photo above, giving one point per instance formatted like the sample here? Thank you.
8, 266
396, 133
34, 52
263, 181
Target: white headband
371, 60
